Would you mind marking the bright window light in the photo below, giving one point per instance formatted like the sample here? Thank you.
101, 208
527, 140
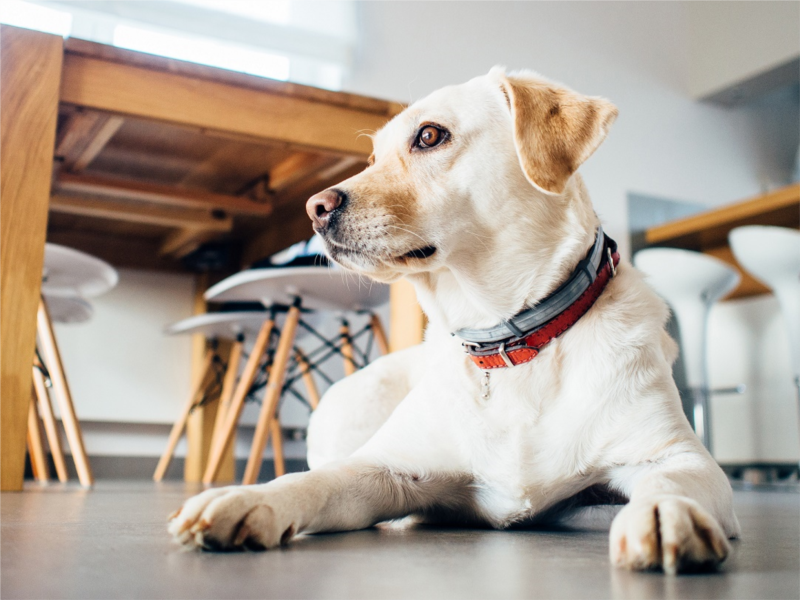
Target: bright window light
271, 11
203, 51
31, 16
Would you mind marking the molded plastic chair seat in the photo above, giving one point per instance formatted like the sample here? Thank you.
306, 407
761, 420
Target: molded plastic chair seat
690, 282
68, 309
321, 288
224, 325
69, 272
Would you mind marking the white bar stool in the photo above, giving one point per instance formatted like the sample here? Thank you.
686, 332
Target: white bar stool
691, 283
68, 277
772, 255
312, 288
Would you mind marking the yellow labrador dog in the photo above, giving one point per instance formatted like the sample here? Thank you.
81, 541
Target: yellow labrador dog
545, 380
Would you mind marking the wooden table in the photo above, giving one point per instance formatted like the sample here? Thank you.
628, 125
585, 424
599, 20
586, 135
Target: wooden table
140, 160
708, 231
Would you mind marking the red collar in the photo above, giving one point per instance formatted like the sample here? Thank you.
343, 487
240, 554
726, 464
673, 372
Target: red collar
519, 350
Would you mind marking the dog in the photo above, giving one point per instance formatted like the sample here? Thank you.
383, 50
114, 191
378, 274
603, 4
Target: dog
472, 195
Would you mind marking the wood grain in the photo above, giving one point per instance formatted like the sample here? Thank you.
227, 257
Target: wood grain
710, 229
164, 195
52, 358
272, 394
30, 73
213, 105
406, 319
80, 47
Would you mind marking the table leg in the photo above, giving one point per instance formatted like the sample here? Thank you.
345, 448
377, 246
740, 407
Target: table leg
406, 320
379, 333
272, 395
30, 77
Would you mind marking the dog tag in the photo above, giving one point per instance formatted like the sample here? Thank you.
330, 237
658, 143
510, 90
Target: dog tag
485, 385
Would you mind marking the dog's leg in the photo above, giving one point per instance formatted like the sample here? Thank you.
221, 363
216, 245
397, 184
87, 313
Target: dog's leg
355, 407
349, 495
679, 518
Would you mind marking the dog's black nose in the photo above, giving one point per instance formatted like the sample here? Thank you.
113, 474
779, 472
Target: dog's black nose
320, 206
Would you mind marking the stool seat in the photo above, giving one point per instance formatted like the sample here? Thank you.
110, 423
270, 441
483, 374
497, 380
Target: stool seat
69, 272
772, 255
321, 288
68, 309
690, 282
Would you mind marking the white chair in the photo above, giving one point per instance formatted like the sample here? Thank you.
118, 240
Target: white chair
233, 327
691, 283
69, 276
309, 288
772, 255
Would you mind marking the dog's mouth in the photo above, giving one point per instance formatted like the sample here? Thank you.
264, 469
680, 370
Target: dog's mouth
419, 253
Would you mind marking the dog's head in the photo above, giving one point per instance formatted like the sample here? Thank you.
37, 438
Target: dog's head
459, 170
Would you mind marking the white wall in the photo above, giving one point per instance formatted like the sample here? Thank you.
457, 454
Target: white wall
635, 53
734, 41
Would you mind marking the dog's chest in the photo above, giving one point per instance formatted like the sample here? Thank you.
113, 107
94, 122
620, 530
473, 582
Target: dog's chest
521, 449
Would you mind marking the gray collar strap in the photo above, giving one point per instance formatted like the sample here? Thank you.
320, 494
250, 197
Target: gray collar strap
531, 318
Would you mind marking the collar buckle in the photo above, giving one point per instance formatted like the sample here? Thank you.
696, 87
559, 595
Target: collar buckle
611, 262
506, 359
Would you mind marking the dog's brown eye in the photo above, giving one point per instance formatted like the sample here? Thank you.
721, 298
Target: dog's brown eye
430, 136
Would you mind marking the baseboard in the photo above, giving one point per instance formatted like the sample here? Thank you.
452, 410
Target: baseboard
143, 467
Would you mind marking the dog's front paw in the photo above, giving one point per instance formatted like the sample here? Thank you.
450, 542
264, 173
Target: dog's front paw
670, 532
233, 518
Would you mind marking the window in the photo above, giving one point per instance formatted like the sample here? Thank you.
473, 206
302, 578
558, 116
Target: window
305, 41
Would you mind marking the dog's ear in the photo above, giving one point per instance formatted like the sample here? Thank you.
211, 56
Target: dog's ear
555, 129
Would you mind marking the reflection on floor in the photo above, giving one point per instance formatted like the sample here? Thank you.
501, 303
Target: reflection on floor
111, 542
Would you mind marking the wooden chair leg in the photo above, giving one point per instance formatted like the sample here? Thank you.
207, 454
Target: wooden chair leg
380, 334
232, 417
277, 446
272, 395
38, 461
72, 428
180, 424
226, 395
347, 349
308, 379
50, 426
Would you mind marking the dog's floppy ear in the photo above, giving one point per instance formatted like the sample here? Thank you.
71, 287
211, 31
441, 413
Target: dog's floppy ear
555, 129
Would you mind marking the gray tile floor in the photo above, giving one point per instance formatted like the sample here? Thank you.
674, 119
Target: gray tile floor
111, 542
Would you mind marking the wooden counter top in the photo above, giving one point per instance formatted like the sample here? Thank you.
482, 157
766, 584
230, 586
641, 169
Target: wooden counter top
708, 231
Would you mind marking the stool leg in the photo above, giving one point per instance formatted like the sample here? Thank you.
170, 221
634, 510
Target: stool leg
272, 395
235, 409
61, 389
228, 387
35, 448
277, 446
380, 334
180, 424
347, 349
308, 380
50, 426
